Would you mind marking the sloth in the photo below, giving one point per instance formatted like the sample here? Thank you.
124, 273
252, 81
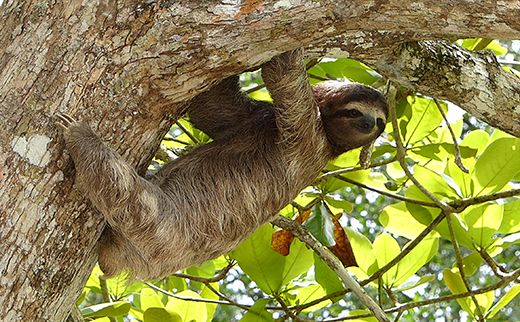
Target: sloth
204, 204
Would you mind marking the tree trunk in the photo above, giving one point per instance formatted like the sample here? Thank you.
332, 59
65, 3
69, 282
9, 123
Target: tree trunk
127, 68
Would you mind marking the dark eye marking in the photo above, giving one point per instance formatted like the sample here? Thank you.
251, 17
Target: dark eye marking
349, 113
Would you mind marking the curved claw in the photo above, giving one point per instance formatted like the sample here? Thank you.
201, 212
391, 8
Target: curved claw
64, 120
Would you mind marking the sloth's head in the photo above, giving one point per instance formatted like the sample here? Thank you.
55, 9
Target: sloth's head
353, 115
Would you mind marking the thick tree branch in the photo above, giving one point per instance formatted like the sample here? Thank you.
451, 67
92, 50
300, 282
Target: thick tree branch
128, 67
472, 80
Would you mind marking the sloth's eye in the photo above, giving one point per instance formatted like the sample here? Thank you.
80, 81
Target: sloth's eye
353, 113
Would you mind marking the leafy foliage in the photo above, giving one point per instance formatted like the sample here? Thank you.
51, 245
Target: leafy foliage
455, 235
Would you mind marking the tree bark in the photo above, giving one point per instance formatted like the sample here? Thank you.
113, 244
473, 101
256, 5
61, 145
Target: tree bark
127, 68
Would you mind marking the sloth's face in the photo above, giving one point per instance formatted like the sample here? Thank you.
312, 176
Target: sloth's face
353, 115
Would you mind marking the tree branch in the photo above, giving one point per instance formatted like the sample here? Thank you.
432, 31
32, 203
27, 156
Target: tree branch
297, 230
475, 81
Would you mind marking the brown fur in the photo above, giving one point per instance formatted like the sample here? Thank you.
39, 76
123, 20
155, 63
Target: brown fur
206, 203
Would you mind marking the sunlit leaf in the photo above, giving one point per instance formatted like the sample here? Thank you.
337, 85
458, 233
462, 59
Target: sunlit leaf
259, 261
258, 313
386, 248
106, 309
482, 221
424, 119
511, 220
504, 300
207, 293
363, 250
149, 298
471, 263
310, 293
398, 220
299, 260
188, 310
266, 267
417, 258
326, 277
408, 285
345, 68
463, 236
437, 183
456, 286
361, 312
339, 204
155, 314
492, 173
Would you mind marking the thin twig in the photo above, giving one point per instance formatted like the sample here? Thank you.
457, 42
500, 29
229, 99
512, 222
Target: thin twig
406, 250
288, 311
462, 204
193, 299
176, 140
188, 133
106, 295
386, 193
223, 272
499, 271
328, 174
446, 298
458, 159
460, 265
401, 154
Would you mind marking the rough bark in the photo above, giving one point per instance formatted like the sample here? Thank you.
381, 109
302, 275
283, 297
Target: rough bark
126, 68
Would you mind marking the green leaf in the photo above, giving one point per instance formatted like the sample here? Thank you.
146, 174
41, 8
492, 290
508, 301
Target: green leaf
471, 263
206, 270
188, 310
120, 288
103, 319
408, 285
422, 119
363, 251
299, 260
149, 298
106, 309
268, 269
437, 183
207, 293
456, 286
398, 220
477, 139
345, 68
491, 173
495, 46
258, 313
157, 314
361, 312
339, 204
321, 226
511, 219
262, 264
462, 235
417, 258
310, 293
508, 297
461, 179
326, 277
482, 221
386, 248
